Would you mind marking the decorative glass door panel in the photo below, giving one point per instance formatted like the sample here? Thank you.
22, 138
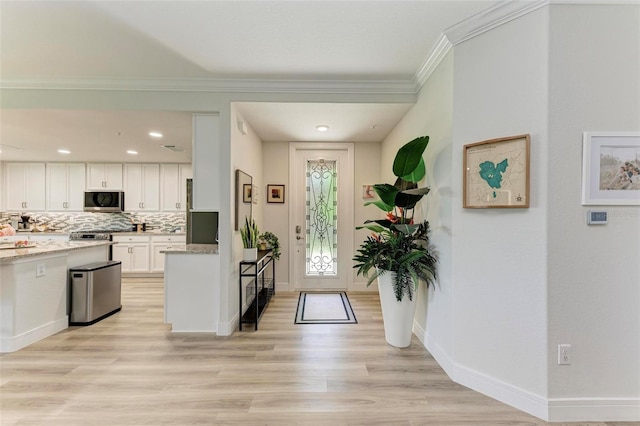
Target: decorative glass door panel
321, 218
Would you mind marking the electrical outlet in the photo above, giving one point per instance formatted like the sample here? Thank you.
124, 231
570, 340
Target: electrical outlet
564, 354
40, 270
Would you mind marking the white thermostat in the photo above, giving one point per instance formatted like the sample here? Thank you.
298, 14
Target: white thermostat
596, 217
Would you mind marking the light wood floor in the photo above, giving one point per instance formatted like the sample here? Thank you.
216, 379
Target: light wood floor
129, 369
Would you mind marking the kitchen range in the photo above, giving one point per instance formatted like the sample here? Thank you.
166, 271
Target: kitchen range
99, 235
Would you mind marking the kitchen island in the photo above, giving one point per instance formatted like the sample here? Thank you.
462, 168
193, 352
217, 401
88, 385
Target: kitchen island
191, 289
34, 288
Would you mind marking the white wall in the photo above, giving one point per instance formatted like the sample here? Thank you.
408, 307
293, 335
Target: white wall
594, 272
246, 155
432, 116
499, 255
367, 172
516, 283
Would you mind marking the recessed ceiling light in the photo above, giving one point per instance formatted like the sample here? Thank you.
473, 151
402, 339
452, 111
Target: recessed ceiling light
155, 134
132, 152
322, 127
64, 151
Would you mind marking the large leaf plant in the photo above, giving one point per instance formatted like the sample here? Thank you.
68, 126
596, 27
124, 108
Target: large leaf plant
397, 245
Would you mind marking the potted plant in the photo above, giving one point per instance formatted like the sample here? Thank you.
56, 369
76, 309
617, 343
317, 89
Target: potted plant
271, 242
399, 251
249, 233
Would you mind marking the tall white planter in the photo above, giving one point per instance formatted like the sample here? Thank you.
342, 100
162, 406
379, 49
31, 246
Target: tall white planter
397, 316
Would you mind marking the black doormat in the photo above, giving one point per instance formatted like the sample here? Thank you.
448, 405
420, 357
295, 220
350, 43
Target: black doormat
324, 308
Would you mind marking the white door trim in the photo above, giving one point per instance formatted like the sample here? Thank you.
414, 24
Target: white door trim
349, 215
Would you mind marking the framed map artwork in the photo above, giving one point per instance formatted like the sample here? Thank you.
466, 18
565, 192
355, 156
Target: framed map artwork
611, 168
496, 173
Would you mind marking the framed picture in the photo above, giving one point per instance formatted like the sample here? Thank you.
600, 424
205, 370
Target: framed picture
246, 192
611, 168
496, 173
275, 193
367, 191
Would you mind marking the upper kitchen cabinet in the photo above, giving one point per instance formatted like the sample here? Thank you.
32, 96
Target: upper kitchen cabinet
142, 187
65, 186
24, 186
104, 176
173, 180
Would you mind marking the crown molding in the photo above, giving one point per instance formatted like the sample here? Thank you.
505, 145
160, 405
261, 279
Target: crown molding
399, 87
436, 55
491, 18
501, 13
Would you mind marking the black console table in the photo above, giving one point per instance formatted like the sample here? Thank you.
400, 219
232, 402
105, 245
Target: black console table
258, 278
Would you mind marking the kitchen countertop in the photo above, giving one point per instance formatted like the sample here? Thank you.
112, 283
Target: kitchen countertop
182, 234
48, 247
194, 249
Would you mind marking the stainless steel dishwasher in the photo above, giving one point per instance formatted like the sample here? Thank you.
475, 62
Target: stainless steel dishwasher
95, 292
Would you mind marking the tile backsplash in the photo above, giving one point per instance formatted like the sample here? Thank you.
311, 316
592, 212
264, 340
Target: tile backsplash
72, 222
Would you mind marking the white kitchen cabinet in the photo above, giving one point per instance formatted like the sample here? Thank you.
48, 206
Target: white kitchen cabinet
104, 176
66, 183
25, 187
133, 252
142, 187
173, 181
164, 242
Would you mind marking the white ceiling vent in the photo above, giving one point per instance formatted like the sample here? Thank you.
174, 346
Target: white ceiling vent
174, 148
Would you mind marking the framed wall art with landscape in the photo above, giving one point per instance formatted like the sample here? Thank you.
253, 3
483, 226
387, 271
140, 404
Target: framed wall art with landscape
496, 173
611, 168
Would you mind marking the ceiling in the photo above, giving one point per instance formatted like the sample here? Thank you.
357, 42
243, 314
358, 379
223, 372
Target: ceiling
168, 44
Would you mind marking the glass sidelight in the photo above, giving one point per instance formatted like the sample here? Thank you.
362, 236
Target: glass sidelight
321, 212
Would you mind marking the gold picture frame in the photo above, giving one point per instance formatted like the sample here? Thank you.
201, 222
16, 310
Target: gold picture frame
496, 173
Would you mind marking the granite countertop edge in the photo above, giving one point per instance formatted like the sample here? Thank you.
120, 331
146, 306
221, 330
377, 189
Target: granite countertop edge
152, 233
194, 249
49, 247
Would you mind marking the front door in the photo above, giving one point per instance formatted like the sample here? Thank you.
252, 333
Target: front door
321, 213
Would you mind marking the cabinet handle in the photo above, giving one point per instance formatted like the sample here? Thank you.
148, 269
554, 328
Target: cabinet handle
177, 205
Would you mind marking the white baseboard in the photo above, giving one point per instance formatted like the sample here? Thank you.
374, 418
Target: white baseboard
283, 287
589, 409
14, 343
228, 327
552, 410
496, 389
362, 286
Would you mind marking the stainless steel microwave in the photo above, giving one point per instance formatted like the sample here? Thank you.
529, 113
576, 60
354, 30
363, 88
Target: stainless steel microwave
104, 201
